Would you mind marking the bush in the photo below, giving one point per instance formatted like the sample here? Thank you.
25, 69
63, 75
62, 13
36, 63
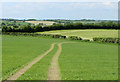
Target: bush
74, 38
107, 40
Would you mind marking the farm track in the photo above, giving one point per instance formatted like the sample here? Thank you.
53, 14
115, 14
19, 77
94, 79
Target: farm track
23, 70
54, 71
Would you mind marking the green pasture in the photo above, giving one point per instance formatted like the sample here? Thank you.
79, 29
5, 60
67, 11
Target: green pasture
89, 61
87, 34
11, 23
39, 71
17, 51
75, 21
77, 61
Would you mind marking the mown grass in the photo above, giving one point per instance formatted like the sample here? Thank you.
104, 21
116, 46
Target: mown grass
39, 71
89, 61
88, 33
17, 51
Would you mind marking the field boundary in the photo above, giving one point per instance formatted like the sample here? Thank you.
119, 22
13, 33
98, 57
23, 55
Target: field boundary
77, 38
16, 75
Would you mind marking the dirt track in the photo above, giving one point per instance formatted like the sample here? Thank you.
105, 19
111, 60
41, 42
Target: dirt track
54, 71
21, 71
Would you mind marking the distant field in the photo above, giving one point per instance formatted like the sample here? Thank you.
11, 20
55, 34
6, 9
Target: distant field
84, 22
11, 23
86, 34
44, 22
77, 21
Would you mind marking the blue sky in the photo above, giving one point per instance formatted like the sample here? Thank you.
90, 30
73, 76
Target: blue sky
61, 10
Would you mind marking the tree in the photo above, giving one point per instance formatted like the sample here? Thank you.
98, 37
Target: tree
3, 24
38, 28
78, 25
4, 28
15, 26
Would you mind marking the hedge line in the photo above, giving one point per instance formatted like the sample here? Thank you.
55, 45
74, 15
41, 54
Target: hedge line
96, 39
34, 34
74, 38
107, 40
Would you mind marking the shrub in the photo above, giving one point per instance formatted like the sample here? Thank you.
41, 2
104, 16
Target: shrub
107, 40
74, 38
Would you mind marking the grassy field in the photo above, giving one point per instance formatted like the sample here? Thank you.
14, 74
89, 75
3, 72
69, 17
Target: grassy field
11, 23
89, 61
78, 61
39, 71
87, 34
17, 51
76, 21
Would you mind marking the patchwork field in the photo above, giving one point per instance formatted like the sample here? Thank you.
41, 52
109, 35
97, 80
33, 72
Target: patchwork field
11, 23
74, 60
86, 34
44, 22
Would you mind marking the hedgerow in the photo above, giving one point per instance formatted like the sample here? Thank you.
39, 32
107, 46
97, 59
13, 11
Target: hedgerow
107, 40
74, 38
95, 39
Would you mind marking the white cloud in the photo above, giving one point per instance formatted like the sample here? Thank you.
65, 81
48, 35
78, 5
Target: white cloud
60, 10
107, 3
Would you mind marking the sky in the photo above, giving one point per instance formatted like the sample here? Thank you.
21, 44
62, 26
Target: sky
104, 10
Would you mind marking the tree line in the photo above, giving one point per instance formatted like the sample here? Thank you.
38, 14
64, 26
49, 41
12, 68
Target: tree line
39, 28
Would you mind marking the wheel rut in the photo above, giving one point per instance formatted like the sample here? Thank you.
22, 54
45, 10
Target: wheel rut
16, 75
54, 71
